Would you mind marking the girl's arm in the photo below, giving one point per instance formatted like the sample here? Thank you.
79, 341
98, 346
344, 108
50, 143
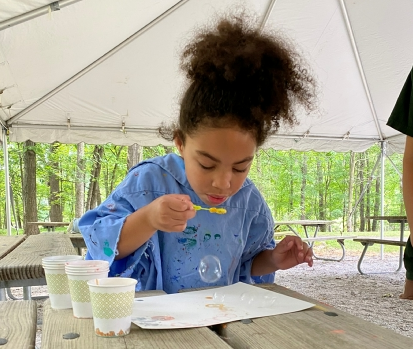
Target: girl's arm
168, 213
288, 253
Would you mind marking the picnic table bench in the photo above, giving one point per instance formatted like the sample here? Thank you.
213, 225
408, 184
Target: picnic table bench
50, 225
367, 241
22, 265
18, 322
317, 224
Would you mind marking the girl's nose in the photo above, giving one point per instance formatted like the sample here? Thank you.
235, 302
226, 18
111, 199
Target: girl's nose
222, 181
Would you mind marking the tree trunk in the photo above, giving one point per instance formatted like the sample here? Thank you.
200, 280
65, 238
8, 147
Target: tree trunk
29, 188
362, 226
80, 180
350, 193
368, 199
55, 200
94, 192
303, 185
118, 150
320, 186
18, 217
135, 155
376, 203
168, 150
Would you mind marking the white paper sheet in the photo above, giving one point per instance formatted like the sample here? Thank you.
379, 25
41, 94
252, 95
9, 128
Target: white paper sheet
211, 307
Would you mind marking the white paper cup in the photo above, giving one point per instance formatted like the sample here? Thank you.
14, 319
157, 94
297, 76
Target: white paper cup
112, 303
56, 280
78, 274
59, 261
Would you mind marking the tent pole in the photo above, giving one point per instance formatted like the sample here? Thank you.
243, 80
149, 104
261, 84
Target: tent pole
7, 180
267, 14
95, 63
383, 156
361, 70
394, 166
54, 6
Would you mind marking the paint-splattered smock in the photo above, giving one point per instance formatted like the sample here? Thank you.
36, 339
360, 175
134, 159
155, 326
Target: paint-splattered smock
169, 261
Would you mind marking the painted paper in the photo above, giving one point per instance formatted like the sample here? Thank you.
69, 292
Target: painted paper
212, 306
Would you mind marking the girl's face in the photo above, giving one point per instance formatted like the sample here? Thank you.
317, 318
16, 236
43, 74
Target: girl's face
217, 161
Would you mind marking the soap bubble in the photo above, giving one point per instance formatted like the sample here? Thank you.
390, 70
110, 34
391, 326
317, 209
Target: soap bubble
210, 269
219, 297
268, 301
260, 302
247, 298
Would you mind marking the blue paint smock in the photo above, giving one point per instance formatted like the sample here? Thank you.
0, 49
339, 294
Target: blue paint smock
170, 261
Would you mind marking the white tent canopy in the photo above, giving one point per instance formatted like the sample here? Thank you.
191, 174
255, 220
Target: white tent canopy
103, 71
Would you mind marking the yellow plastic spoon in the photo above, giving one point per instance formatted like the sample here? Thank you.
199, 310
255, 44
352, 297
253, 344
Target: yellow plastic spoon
211, 210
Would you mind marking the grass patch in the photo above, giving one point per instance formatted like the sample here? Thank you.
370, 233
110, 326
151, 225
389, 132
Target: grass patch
42, 230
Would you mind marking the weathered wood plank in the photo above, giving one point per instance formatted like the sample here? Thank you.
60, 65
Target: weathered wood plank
319, 327
390, 219
372, 241
9, 243
50, 224
18, 323
326, 238
56, 323
25, 261
304, 222
77, 241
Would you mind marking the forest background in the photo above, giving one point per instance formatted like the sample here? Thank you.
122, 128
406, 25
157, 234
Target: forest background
58, 182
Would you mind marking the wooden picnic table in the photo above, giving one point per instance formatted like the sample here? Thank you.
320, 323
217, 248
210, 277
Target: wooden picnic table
77, 241
368, 241
321, 326
311, 239
50, 225
18, 324
22, 265
8, 244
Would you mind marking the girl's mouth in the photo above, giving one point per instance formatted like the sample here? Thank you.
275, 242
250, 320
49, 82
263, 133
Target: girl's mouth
216, 200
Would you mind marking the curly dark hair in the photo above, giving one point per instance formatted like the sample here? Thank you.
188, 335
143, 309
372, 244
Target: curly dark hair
239, 76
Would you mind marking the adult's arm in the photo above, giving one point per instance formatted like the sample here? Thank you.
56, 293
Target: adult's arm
408, 182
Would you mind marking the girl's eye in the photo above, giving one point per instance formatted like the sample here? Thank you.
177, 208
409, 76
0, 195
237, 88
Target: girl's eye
206, 167
239, 171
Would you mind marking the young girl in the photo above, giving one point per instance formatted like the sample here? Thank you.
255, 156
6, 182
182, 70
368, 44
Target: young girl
242, 84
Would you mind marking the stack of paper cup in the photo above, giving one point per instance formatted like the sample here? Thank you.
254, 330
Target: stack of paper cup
56, 279
78, 274
112, 304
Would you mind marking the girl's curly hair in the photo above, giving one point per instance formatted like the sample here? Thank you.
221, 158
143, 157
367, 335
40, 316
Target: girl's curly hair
239, 76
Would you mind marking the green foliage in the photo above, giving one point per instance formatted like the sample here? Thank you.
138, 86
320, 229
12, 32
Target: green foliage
279, 175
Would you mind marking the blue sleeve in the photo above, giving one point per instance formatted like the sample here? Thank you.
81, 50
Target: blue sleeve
101, 228
260, 238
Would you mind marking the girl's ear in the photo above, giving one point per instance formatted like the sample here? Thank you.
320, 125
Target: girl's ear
179, 145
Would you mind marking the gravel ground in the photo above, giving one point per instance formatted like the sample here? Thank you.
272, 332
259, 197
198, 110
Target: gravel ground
373, 297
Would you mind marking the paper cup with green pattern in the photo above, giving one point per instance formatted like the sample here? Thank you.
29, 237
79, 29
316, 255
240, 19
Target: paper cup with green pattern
56, 280
112, 302
78, 274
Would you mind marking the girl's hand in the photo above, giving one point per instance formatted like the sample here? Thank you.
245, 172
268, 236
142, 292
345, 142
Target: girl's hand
171, 212
292, 251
